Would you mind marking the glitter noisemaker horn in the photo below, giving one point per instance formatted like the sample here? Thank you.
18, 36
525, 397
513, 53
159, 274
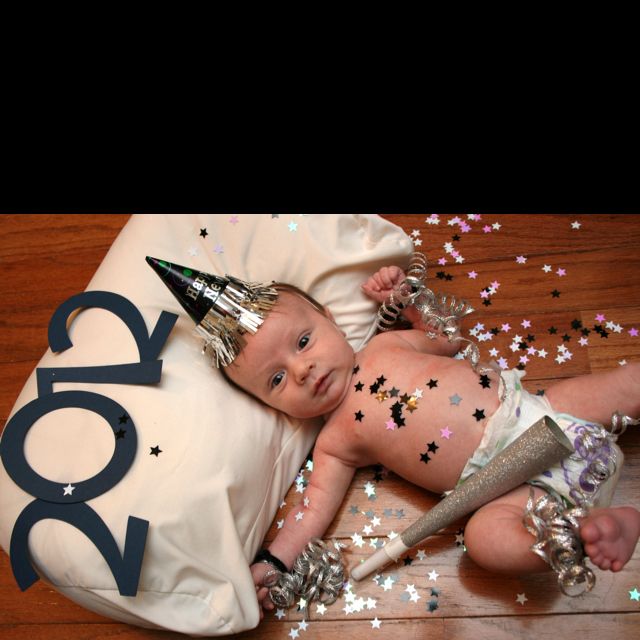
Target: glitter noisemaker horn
532, 453
223, 308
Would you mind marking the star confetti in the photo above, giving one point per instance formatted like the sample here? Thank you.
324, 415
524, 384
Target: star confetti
155, 451
522, 598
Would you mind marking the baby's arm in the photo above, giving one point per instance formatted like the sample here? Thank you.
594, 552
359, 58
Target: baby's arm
327, 487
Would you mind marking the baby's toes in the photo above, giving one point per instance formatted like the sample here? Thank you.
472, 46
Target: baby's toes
589, 532
616, 565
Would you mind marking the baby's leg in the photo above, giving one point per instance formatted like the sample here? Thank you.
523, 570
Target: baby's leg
496, 538
596, 396
498, 541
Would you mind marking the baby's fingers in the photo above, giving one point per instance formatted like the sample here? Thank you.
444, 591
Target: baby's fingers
264, 599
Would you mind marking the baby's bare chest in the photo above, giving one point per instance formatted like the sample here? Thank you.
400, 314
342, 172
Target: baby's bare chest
420, 416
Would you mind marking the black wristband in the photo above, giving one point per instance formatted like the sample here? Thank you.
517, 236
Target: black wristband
266, 556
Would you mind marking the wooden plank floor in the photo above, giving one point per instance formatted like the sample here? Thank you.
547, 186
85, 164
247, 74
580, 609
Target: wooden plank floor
594, 271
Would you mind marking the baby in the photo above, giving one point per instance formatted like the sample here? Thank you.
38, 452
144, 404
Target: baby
404, 402
389, 404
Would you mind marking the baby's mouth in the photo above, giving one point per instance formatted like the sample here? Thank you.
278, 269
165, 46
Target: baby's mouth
320, 384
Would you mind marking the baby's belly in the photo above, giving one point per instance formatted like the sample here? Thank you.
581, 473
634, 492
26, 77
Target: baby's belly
424, 427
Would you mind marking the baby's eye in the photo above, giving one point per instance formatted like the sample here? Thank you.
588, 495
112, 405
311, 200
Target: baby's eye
304, 341
277, 379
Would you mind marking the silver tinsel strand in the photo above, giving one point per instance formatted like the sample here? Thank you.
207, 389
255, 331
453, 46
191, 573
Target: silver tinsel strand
240, 308
317, 574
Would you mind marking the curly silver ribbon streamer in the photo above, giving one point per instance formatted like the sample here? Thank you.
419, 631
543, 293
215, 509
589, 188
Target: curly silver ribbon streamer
619, 423
593, 447
441, 314
558, 542
557, 530
317, 574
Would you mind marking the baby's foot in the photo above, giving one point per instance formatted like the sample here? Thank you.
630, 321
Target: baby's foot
610, 536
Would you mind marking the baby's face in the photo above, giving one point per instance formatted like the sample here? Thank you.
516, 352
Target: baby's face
298, 361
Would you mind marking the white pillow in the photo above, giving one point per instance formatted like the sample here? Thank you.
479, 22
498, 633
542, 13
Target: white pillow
224, 462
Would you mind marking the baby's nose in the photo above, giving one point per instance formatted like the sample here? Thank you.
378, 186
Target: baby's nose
304, 369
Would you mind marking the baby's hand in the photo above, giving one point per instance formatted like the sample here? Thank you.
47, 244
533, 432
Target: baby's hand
380, 285
259, 571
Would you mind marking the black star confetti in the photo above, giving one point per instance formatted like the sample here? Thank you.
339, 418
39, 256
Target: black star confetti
485, 383
553, 330
120, 433
599, 329
359, 416
479, 414
373, 388
356, 369
358, 386
393, 392
555, 293
432, 605
123, 419
576, 324
432, 447
432, 383
407, 561
203, 233
155, 451
566, 338
424, 457
381, 380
